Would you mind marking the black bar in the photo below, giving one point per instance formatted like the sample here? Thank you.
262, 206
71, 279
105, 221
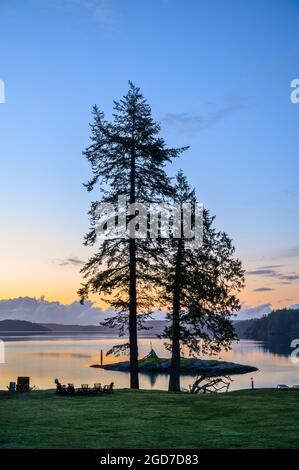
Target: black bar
133, 458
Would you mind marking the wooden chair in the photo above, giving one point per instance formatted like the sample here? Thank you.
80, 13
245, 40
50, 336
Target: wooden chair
70, 389
60, 389
23, 384
84, 388
12, 386
108, 388
97, 388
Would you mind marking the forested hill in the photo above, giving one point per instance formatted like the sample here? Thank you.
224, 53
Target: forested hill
279, 325
21, 326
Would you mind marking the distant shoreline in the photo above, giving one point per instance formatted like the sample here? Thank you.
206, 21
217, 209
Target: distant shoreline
24, 329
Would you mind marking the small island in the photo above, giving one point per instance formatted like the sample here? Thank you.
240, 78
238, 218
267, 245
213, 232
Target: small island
152, 364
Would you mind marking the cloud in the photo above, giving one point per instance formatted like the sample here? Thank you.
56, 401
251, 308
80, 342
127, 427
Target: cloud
262, 272
289, 277
102, 10
292, 252
72, 261
271, 271
286, 282
294, 306
286, 301
43, 311
191, 123
272, 266
248, 312
263, 289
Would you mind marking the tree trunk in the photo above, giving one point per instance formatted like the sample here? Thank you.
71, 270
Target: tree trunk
174, 379
134, 378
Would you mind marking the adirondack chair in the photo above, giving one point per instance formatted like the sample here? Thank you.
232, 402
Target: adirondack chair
60, 389
108, 388
23, 384
84, 389
12, 386
70, 389
97, 388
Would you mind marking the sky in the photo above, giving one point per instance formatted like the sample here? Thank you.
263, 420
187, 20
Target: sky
217, 76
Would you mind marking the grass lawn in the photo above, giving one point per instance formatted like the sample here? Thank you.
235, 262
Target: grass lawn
150, 419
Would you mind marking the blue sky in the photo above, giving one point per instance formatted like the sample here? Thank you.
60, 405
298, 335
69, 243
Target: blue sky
217, 75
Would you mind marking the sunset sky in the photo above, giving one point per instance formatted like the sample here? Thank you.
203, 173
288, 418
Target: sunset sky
217, 75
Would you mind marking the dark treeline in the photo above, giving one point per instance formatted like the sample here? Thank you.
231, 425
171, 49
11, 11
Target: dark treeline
279, 325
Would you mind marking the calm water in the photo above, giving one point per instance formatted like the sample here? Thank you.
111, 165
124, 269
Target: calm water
69, 360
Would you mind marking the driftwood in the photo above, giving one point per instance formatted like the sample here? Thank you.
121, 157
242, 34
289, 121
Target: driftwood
204, 384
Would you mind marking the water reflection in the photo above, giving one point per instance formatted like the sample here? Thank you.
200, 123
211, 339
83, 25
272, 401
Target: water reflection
69, 359
61, 354
277, 349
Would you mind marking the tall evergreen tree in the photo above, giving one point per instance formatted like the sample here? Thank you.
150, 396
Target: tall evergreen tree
201, 285
127, 157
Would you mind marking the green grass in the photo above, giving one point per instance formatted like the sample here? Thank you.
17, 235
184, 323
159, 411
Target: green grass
150, 419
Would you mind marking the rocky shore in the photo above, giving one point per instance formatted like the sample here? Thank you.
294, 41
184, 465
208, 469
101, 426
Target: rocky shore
211, 368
